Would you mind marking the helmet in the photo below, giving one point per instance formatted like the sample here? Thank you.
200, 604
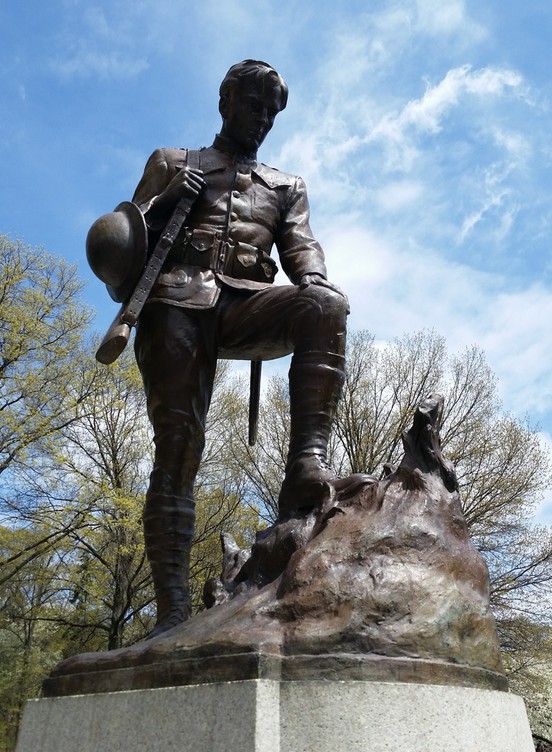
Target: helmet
116, 247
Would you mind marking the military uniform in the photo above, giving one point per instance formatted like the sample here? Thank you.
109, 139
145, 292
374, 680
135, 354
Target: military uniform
214, 298
244, 210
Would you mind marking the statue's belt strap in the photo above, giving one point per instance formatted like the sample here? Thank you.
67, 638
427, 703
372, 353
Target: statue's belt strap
206, 250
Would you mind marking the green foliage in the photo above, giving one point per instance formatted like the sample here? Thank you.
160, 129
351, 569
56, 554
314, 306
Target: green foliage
94, 472
528, 662
29, 646
80, 501
41, 323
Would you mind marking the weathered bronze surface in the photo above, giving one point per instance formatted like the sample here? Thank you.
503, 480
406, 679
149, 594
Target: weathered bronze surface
382, 585
358, 579
173, 671
213, 298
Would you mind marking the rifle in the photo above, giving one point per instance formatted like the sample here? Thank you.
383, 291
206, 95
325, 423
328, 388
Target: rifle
118, 334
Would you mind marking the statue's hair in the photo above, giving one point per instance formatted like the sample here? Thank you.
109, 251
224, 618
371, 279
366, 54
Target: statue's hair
254, 70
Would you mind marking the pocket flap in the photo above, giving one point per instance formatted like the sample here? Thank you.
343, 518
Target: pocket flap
246, 254
202, 241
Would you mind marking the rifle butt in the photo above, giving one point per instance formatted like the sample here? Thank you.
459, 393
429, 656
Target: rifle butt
114, 342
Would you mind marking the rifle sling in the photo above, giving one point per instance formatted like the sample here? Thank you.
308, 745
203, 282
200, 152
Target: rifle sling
133, 308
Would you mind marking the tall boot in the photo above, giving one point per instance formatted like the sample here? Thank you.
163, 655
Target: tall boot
168, 532
315, 383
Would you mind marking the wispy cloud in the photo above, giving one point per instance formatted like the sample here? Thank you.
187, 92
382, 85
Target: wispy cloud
413, 196
85, 62
426, 115
396, 288
99, 42
427, 168
494, 195
443, 19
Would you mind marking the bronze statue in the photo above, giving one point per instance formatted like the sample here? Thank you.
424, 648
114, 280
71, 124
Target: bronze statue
214, 298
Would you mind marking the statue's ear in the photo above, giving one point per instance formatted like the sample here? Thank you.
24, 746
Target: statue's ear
223, 105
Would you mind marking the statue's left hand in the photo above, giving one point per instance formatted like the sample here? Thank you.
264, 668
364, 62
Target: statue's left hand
318, 279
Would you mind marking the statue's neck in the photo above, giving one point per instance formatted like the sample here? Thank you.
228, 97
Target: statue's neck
228, 146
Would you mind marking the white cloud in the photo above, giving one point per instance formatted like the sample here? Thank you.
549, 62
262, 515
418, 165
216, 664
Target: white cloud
394, 196
447, 22
426, 115
444, 19
518, 338
95, 62
439, 17
515, 144
493, 190
399, 287
493, 201
337, 148
106, 43
397, 243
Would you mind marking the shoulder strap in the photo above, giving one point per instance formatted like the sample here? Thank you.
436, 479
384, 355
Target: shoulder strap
193, 159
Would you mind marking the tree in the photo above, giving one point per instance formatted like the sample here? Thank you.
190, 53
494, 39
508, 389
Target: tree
42, 321
41, 324
78, 488
87, 484
28, 646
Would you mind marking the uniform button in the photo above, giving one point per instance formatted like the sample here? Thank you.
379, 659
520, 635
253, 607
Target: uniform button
236, 194
233, 216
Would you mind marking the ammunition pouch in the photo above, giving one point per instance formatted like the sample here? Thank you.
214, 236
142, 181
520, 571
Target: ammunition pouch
205, 249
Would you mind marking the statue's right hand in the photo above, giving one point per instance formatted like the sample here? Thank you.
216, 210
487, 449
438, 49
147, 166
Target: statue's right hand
187, 182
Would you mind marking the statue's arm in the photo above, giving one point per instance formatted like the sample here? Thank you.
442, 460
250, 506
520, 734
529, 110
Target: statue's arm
299, 251
153, 182
301, 256
166, 179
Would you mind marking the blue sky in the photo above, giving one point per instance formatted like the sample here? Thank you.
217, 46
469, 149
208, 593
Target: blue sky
422, 129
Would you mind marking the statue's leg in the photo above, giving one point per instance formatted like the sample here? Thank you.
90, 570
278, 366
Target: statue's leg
315, 383
316, 379
177, 359
311, 323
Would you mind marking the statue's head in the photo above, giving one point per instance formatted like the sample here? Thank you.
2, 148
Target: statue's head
251, 95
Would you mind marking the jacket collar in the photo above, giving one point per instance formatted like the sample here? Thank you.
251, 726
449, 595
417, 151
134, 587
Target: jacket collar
210, 161
221, 143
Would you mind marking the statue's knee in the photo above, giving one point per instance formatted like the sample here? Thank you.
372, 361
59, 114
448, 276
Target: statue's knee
327, 303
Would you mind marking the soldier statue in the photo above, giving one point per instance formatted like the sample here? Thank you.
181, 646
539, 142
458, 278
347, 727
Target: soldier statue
214, 298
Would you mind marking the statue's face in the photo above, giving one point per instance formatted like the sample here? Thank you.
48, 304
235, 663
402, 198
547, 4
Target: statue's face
248, 114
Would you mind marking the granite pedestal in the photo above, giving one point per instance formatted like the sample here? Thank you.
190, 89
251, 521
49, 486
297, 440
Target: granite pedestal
280, 716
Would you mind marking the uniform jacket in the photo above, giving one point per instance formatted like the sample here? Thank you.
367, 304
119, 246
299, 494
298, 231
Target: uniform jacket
245, 209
